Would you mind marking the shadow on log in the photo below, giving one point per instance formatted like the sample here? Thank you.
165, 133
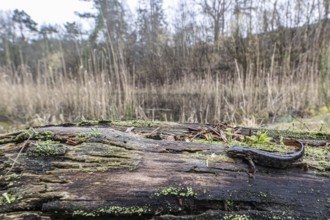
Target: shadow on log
97, 173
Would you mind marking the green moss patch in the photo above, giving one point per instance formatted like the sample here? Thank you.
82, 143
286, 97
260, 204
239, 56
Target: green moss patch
94, 133
46, 149
318, 158
113, 210
176, 191
7, 198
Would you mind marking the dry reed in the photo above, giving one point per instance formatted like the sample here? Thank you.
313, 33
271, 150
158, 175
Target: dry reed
52, 97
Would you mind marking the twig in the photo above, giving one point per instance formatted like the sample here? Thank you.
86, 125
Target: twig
19, 153
301, 122
154, 131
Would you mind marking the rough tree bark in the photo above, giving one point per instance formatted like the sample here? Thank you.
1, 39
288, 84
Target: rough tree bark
60, 172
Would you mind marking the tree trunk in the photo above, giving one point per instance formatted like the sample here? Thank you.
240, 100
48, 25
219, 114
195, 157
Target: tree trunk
60, 172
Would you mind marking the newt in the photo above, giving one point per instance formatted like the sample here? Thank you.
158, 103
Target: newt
267, 158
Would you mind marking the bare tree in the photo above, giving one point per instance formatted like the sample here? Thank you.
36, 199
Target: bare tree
151, 40
216, 10
326, 6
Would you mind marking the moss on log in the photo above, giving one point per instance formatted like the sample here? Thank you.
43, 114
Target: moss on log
99, 172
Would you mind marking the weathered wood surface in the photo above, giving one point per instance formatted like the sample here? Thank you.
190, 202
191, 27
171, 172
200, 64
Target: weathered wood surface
110, 173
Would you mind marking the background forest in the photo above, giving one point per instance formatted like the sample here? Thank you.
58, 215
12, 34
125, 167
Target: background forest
206, 61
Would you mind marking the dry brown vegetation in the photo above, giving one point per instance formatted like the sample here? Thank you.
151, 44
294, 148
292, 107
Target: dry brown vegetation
54, 98
245, 74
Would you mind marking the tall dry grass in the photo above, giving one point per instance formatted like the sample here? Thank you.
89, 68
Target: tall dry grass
263, 98
52, 97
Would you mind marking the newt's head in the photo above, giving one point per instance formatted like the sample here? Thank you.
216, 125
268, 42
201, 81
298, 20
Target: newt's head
237, 151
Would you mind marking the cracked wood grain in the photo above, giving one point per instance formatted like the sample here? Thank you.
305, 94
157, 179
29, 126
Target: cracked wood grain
122, 175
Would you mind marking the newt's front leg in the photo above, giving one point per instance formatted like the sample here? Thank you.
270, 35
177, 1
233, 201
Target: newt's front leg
252, 167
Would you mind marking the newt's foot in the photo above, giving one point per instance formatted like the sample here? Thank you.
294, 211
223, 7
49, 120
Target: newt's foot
251, 175
251, 178
301, 164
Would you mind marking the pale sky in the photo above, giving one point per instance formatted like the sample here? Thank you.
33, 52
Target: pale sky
47, 11
57, 11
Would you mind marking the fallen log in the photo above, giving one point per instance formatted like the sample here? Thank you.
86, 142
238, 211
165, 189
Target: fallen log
98, 172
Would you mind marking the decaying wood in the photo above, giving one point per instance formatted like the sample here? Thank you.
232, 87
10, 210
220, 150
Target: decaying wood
83, 172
